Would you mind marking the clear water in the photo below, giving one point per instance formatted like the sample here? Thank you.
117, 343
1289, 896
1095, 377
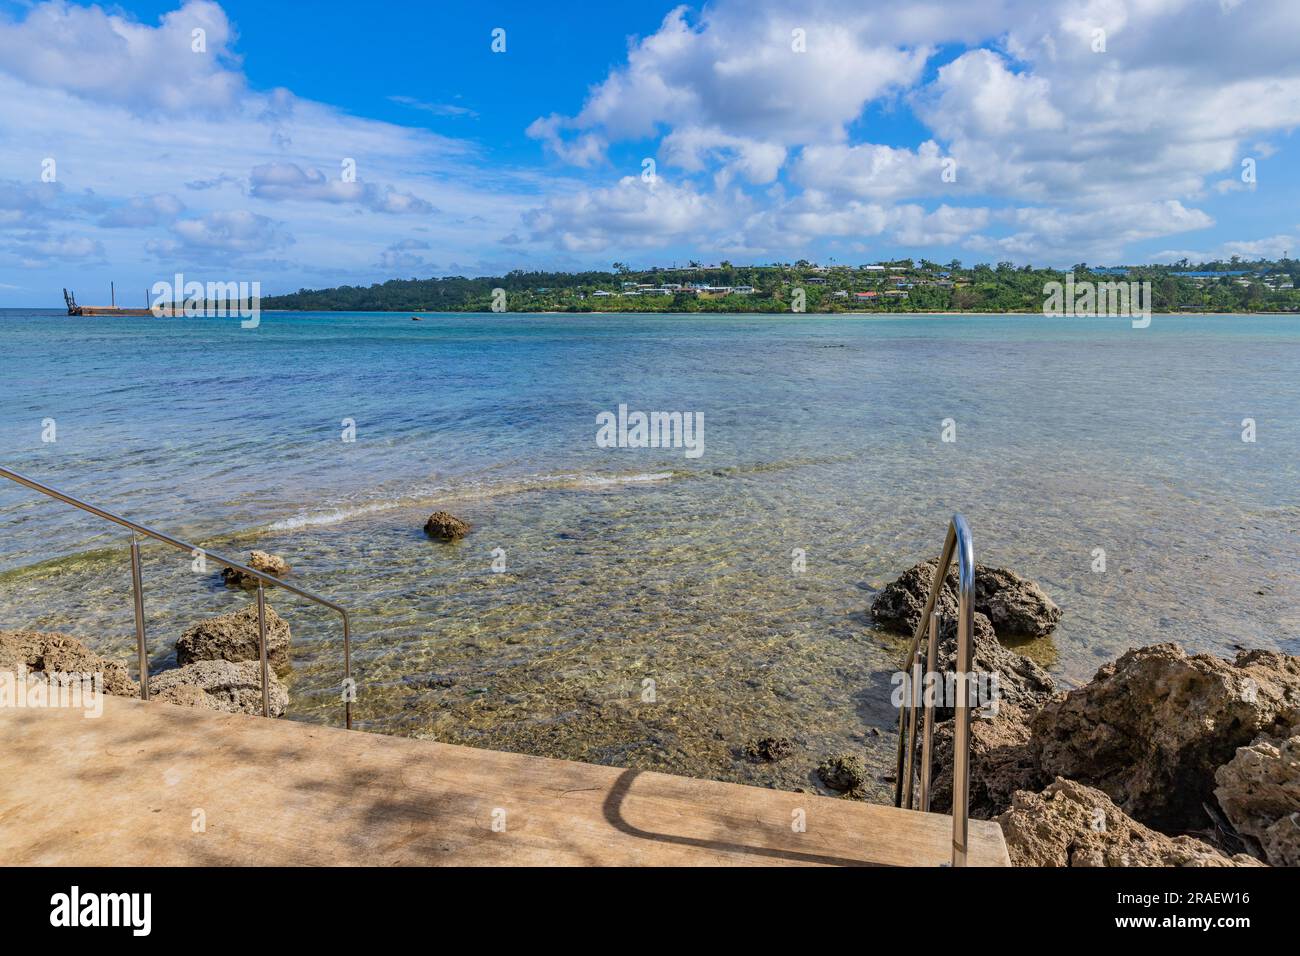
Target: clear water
626, 565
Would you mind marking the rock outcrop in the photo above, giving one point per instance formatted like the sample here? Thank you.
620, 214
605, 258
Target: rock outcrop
1020, 680
1151, 729
233, 688
1017, 607
234, 637
258, 561
443, 526
1069, 824
1001, 762
1259, 791
49, 652
1014, 606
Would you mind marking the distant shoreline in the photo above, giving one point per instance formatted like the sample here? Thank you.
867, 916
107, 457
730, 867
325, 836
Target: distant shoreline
855, 312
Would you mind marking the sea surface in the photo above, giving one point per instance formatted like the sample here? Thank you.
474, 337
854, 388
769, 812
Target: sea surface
636, 606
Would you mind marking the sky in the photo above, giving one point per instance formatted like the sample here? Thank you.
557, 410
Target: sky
304, 146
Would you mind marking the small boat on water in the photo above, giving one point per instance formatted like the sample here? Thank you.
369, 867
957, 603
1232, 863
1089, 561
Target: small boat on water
70, 300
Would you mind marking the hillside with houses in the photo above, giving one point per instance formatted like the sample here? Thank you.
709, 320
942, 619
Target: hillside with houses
902, 285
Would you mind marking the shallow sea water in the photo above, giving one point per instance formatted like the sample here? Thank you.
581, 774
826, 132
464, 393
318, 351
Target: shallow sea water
627, 566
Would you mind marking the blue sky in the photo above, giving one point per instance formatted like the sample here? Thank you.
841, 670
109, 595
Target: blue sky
1044, 131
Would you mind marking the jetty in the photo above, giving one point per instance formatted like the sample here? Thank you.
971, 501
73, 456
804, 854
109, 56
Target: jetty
149, 783
70, 300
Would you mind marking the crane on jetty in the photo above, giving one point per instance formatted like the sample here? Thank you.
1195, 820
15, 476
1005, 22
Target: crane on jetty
70, 300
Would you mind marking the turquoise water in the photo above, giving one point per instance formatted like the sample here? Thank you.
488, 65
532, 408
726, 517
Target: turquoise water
624, 565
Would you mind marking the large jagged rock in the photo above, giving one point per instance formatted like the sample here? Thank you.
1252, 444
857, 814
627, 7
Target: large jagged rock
234, 637
1259, 791
258, 561
1014, 606
1020, 681
1069, 824
49, 652
899, 605
1151, 729
1017, 607
1001, 762
233, 688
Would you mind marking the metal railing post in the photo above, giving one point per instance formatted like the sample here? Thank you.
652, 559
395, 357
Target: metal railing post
261, 577
927, 732
961, 713
138, 590
261, 643
914, 698
349, 688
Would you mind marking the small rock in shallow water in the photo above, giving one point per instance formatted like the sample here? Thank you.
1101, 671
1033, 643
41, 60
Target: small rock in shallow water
445, 527
235, 637
844, 772
770, 749
258, 561
1014, 605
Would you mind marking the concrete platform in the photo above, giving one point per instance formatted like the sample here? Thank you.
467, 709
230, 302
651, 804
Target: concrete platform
130, 787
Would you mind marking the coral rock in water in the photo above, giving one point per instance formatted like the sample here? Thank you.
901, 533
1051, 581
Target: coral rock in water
234, 637
445, 527
258, 561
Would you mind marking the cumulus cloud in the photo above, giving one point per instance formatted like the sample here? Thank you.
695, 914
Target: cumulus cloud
27, 204
104, 56
631, 212
1272, 247
741, 84
141, 211
1067, 107
873, 170
1100, 233
236, 232
405, 256
289, 181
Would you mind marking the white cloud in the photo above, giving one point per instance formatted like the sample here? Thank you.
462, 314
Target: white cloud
871, 170
1273, 247
1099, 233
437, 109
737, 72
105, 57
289, 181
405, 256
235, 232
140, 211
695, 148
632, 212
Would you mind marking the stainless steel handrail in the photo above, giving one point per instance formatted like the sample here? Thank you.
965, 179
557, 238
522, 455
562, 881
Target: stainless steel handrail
958, 540
261, 577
